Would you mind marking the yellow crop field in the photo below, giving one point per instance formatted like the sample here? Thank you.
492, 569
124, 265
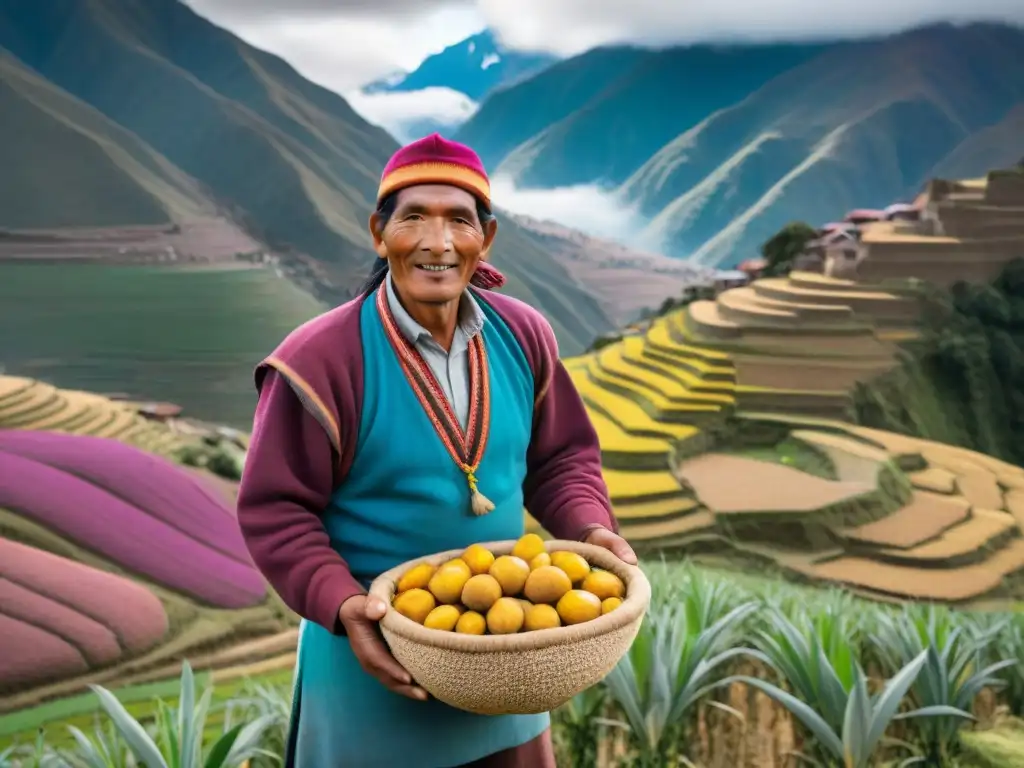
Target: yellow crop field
629, 415
628, 485
614, 439
12, 387
666, 405
34, 405
640, 509
896, 503
610, 361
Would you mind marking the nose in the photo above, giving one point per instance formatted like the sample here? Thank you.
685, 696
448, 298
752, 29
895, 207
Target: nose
436, 236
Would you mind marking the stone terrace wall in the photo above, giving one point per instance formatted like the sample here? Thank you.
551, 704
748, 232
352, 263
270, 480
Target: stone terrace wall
938, 261
970, 220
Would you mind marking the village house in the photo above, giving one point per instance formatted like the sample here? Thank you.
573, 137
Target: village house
955, 230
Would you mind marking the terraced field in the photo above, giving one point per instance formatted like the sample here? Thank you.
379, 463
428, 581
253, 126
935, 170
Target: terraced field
114, 564
728, 449
722, 436
800, 343
28, 404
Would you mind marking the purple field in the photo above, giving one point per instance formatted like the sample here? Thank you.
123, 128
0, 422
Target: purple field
32, 654
58, 617
143, 480
134, 538
96, 643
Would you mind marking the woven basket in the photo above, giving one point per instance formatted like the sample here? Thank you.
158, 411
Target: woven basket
524, 673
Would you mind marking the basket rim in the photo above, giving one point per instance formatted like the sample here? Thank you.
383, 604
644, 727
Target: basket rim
634, 606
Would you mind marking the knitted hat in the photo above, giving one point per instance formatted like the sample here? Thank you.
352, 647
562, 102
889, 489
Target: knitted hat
435, 160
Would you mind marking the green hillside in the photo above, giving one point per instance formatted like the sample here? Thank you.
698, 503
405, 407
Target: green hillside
190, 337
66, 164
998, 146
721, 147
290, 158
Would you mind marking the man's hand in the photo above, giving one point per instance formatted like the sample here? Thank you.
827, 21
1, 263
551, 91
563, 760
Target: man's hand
360, 615
618, 546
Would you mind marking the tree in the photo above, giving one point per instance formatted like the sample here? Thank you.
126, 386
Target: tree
784, 246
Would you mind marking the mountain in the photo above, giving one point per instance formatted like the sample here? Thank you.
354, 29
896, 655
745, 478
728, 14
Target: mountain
998, 146
599, 116
290, 158
720, 146
605, 267
444, 91
67, 165
475, 67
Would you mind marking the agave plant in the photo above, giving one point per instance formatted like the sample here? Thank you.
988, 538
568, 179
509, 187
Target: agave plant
1010, 645
579, 724
259, 700
814, 653
179, 733
36, 755
104, 749
865, 718
676, 659
954, 672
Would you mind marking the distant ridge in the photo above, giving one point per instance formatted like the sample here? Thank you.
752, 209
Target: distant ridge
720, 146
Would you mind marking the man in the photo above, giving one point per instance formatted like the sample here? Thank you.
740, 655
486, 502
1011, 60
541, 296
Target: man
420, 417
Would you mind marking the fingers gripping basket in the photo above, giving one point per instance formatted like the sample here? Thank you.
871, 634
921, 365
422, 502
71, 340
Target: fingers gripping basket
523, 673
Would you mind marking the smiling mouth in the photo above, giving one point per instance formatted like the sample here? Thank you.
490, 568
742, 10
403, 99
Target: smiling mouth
435, 267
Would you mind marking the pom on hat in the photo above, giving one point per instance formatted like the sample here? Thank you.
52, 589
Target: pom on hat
436, 160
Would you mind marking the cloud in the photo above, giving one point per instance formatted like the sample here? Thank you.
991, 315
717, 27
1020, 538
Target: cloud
338, 46
586, 207
344, 45
252, 10
409, 115
568, 27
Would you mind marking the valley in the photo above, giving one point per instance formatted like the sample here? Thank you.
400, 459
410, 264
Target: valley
848, 421
748, 138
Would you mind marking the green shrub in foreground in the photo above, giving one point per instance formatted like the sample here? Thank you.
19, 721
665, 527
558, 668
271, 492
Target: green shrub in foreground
704, 628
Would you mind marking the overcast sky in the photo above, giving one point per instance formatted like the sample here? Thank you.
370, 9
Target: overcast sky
343, 44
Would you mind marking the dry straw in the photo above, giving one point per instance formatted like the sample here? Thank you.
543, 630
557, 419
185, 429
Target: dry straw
526, 672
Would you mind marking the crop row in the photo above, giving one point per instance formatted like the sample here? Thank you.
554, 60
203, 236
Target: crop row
746, 672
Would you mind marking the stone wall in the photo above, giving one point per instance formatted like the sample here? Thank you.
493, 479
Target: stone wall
941, 262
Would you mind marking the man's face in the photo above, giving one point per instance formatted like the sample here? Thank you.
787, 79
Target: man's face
433, 242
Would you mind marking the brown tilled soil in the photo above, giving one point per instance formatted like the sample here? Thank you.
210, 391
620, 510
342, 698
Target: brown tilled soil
973, 535
698, 521
948, 585
1015, 504
735, 485
934, 479
853, 460
925, 517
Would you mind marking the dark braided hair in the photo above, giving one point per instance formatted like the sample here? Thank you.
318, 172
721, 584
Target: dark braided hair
385, 210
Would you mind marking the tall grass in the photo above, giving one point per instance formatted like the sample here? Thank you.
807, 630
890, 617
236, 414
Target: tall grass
866, 684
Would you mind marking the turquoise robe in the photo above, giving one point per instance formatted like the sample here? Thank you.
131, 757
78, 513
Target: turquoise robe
404, 498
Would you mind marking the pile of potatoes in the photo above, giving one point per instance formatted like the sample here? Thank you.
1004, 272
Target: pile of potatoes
478, 593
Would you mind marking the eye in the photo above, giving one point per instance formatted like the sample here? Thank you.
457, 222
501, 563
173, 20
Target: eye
413, 217
461, 220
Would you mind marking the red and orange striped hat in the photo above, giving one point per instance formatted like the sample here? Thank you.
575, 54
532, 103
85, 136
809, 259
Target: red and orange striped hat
436, 160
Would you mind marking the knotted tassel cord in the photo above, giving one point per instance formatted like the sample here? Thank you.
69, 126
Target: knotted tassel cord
481, 504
